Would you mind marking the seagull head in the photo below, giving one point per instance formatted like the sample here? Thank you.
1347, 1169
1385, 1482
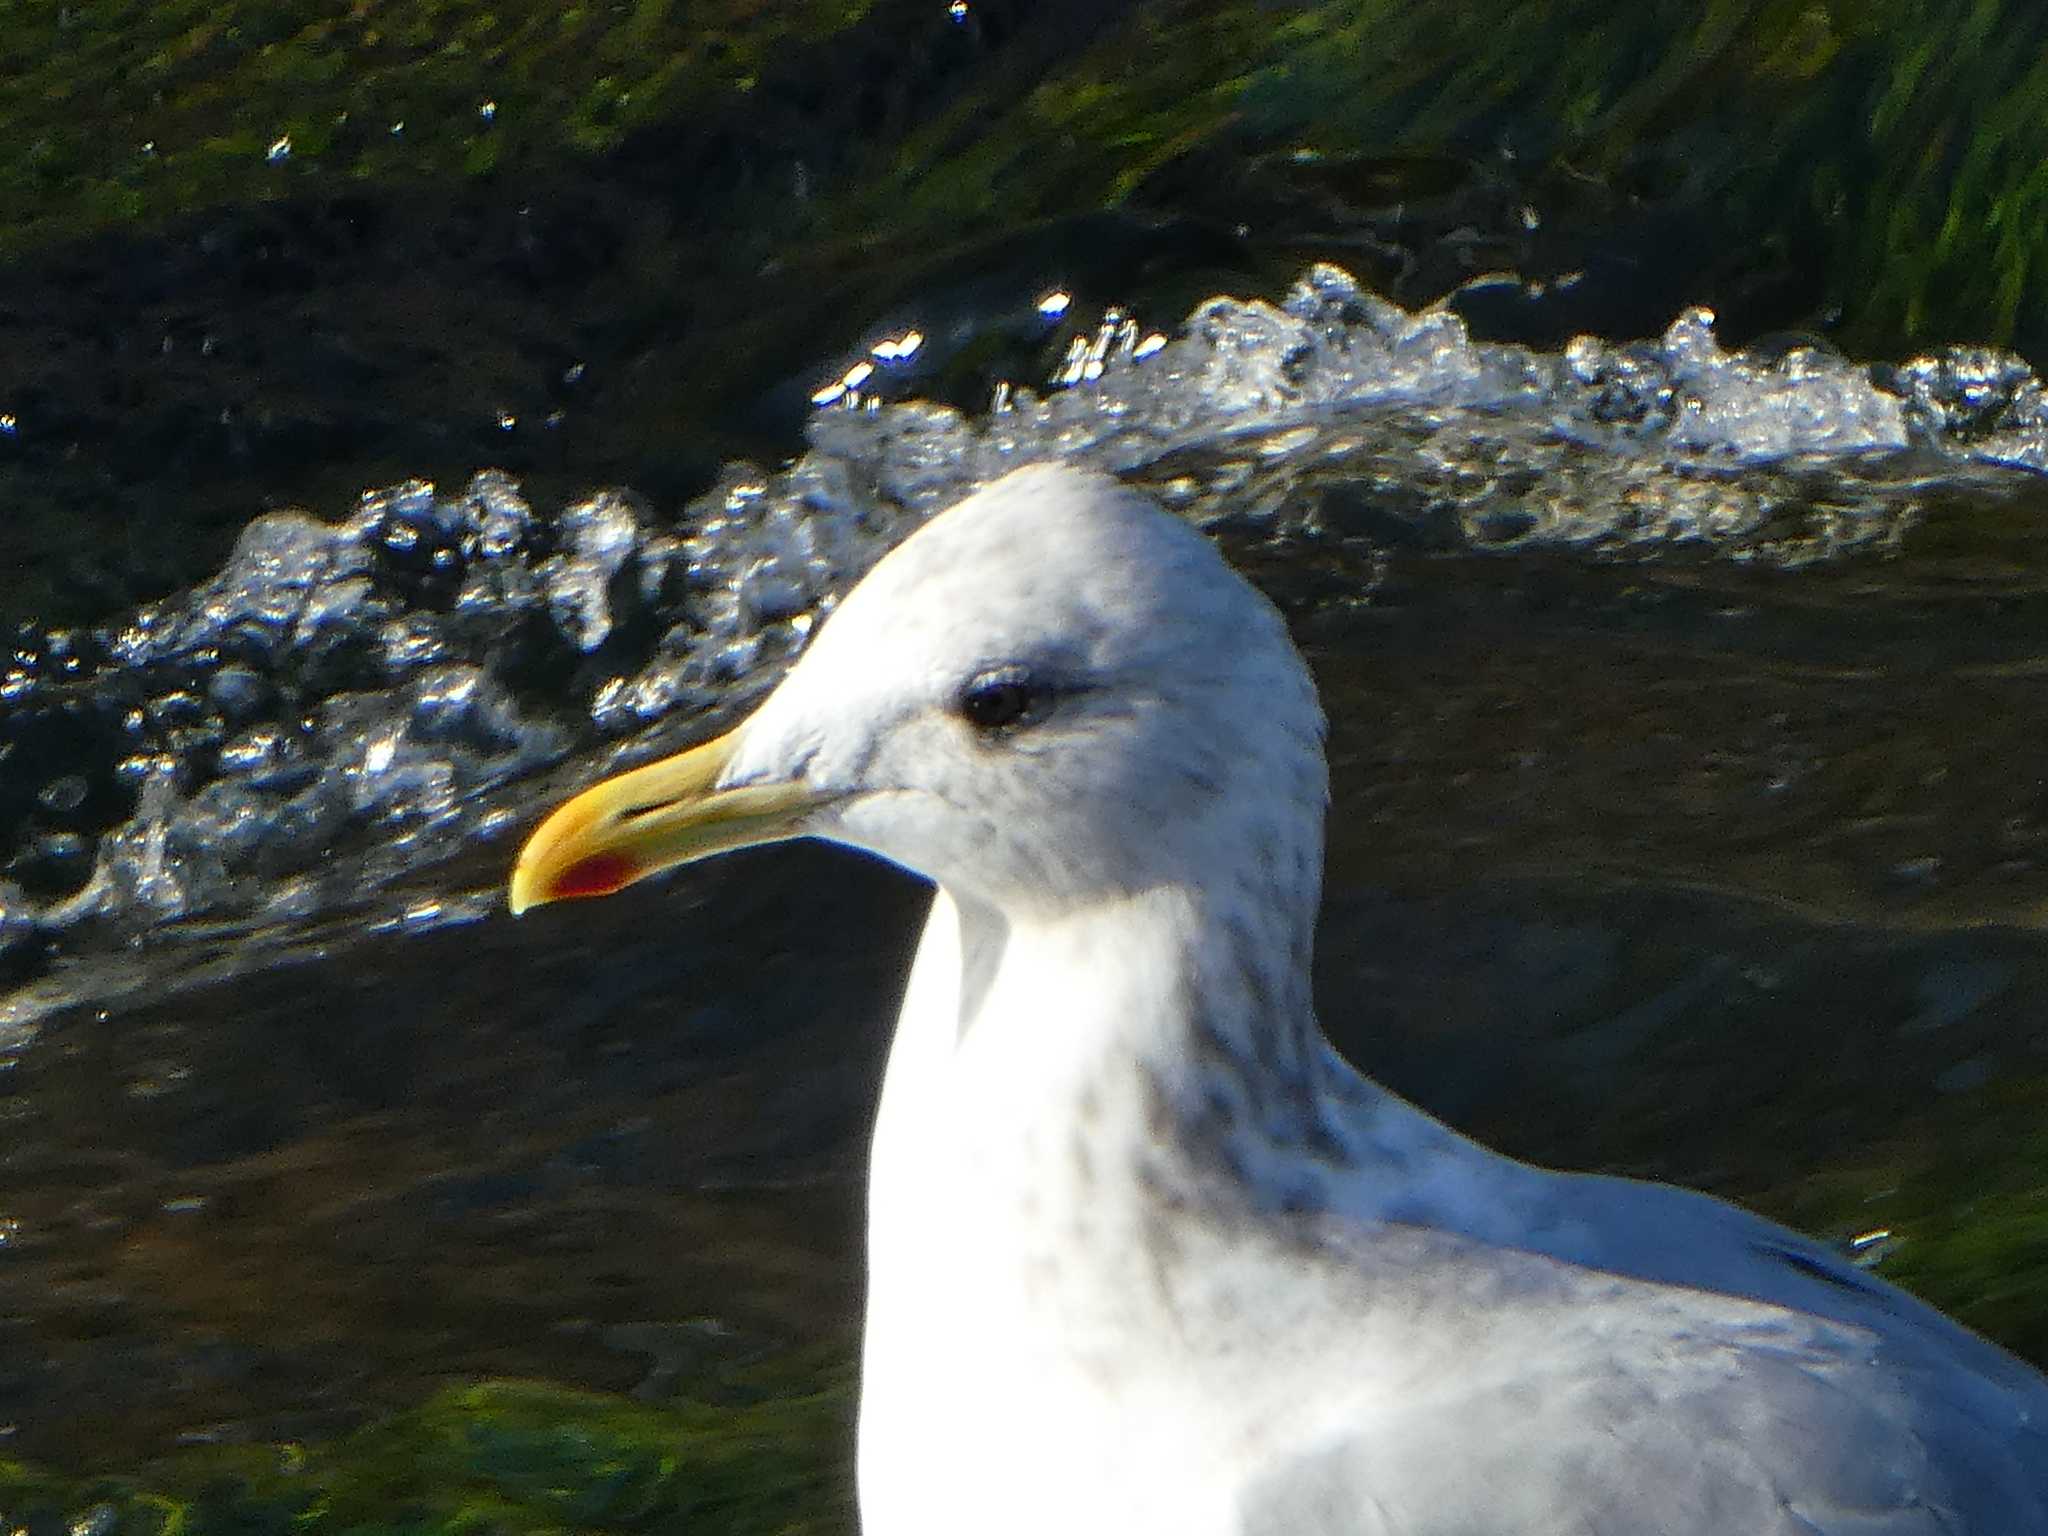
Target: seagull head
1054, 693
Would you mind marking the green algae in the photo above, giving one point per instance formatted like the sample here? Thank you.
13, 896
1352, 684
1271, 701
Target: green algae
121, 112
506, 1457
1956, 1211
1906, 139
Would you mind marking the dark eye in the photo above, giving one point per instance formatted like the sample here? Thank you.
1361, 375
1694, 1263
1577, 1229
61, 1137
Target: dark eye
995, 700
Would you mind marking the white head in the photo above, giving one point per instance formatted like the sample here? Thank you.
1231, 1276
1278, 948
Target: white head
1052, 694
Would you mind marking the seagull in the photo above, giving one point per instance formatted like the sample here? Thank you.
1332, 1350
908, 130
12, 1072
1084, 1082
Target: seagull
1146, 1256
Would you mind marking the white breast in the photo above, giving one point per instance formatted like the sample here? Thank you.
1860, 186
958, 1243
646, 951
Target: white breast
1010, 1378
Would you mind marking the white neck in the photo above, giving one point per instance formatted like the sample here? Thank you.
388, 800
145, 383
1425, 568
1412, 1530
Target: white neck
1052, 1089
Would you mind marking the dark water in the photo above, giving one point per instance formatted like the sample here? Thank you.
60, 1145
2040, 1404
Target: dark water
1689, 818
263, 1206
1710, 855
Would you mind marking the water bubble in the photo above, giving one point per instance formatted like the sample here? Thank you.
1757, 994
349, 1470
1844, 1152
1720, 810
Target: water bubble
896, 349
63, 795
293, 711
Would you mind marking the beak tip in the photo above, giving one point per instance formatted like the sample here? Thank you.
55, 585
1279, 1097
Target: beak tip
652, 818
597, 874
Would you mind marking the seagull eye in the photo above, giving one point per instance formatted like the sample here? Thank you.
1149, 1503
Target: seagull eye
996, 700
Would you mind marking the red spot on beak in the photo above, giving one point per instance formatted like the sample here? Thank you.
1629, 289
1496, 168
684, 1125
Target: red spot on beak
599, 875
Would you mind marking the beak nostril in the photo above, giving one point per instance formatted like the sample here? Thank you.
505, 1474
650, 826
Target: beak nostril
633, 813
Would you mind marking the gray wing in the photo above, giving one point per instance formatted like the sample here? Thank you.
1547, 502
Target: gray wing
1678, 1368
1671, 1425
1648, 1412
1980, 1414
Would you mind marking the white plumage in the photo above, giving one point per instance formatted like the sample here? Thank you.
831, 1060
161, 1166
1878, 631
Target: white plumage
1145, 1255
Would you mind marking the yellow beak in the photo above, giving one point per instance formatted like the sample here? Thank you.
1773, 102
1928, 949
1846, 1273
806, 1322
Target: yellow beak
653, 818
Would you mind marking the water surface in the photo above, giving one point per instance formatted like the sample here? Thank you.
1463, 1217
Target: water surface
1686, 822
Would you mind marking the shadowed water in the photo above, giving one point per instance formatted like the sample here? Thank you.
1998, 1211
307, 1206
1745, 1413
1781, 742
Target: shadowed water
1687, 822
